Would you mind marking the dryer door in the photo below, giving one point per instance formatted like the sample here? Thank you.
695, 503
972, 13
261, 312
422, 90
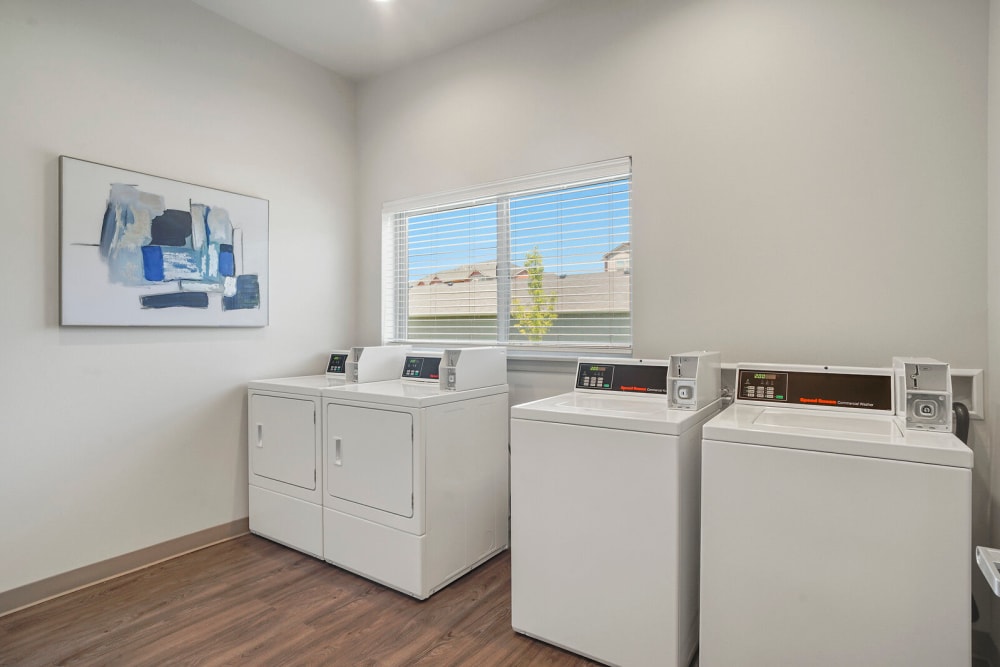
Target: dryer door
283, 439
369, 457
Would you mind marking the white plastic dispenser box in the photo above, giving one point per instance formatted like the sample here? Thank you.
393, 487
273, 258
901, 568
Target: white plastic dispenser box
694, 380
923, 393
473, 367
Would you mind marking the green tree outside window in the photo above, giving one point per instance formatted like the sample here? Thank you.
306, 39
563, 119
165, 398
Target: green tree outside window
535, 319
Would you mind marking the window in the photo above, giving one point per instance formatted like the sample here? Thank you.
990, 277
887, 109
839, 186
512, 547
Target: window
541, 262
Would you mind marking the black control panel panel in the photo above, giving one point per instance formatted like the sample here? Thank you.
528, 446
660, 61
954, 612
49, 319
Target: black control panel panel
422, 368
764, 385
338, 363
637, 378
858, 391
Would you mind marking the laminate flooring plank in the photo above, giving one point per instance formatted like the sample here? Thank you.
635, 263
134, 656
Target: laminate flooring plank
132, 599
231, 635
216, 634
419, 639
485, 621
249, 601
144, 605
487, 637
227, 621
194, 621
473, 597
351, 637
188, 607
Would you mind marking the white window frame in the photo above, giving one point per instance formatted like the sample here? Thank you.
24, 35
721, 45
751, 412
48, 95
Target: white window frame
394, 250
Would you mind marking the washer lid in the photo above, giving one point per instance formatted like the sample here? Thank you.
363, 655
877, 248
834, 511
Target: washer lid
648, 414
836, 433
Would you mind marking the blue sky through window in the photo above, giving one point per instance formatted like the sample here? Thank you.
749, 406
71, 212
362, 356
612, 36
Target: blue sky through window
572, 228
450, 239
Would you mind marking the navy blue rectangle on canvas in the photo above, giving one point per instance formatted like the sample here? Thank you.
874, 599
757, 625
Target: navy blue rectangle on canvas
175, 300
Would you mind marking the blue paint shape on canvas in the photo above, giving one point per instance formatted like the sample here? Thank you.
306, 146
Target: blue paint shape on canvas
227, 261
247, 294
204, 221
175, 300
152, 263
172, 227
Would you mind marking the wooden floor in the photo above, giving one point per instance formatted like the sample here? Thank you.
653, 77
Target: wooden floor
252, 602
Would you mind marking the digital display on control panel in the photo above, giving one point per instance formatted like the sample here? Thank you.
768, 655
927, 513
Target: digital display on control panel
338, 363
636, 378
421, 368
837, 390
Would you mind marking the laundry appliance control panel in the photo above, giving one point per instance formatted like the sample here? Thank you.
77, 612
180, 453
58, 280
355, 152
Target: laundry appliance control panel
640, 378
422, 368
823, 387
338, 363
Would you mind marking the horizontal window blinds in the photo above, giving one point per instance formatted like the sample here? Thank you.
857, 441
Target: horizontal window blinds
539, 262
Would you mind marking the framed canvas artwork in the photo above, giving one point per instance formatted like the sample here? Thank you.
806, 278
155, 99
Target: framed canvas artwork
140, 250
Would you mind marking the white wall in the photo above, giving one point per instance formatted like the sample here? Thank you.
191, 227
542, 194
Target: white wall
808, 174
993, 371
796, 163
106, 446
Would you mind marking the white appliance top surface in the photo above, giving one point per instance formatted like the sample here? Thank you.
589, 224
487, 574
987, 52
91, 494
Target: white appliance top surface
648, 414
312, 385
407, 393
874, 436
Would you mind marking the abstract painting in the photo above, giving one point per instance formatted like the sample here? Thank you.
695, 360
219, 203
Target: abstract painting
140, 250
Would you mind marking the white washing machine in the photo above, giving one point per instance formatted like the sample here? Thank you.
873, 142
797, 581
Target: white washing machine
415, 478
831, 536
604, 512
284, 432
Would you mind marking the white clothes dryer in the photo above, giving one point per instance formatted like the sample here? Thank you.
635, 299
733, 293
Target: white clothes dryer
415, 490
604, 513
284, 432
831, 535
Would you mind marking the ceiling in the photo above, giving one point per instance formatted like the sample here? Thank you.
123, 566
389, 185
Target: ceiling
364, 38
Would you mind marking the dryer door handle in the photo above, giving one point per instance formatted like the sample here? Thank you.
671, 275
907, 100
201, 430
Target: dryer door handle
260, 435
336, 452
